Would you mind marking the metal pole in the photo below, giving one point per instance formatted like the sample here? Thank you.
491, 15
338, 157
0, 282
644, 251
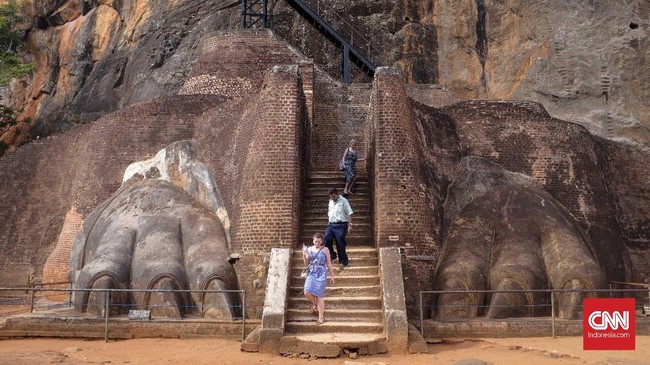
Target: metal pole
264, 14
346, 61
243, 317
552, 314
421, 317
243, 14
31, 305
106, 316
70, 296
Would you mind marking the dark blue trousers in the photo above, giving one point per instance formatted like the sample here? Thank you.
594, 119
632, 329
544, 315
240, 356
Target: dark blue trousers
337, 231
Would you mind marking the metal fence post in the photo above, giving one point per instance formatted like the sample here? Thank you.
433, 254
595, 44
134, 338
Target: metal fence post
106, 300
421, 317
552, 313
31, 305
243, 317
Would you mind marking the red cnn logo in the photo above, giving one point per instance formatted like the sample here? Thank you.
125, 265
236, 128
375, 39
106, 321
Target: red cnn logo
608, 324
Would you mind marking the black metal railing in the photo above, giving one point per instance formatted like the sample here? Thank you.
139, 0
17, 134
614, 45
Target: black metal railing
28, 303
550, 306
259, 13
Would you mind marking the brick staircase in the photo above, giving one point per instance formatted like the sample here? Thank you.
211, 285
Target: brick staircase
315, 201
352, 304
354, 316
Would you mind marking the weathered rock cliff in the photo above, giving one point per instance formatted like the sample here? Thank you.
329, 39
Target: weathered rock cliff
586, 61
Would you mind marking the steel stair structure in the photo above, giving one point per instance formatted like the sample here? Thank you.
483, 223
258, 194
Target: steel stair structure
256, 12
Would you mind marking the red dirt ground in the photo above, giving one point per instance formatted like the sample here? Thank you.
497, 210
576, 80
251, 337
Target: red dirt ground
529, 351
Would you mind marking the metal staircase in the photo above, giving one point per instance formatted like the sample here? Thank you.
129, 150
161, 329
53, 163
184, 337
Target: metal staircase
259, 12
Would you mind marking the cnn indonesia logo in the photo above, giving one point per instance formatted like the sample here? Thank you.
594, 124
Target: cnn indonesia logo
608, 324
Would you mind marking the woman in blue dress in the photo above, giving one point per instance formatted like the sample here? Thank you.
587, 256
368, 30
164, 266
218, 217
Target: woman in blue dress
319, 263
350, 159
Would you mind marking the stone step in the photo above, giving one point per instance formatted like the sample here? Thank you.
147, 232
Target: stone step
332, 326
320, 210
372, 343
338, 315
355, 302
325, 185
297, 281
319, 219
322, 190
337, 290
353, 260
362, 251
315, 226
334, 174
353, 239
348, 271
322, 196
325, 182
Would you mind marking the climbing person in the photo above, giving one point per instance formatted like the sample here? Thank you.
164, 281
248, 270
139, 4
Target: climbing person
319, 264
349, 162
339, 215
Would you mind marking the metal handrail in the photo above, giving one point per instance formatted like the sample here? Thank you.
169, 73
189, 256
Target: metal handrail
352, 32
335, 36
550, 291
108, 292
645, 285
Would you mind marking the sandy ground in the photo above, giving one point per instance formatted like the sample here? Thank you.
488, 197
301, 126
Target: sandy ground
530, 351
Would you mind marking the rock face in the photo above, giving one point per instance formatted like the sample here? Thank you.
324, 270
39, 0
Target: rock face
585, 61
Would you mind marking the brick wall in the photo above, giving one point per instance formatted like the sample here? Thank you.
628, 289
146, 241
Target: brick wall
628, 172
57, 265
81, 167
232, 63
431, 95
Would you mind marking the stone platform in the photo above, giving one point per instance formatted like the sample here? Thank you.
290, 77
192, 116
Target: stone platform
512, 327
332, 344
67, 324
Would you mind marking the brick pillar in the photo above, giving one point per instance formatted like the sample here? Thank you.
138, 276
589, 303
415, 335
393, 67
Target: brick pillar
269, 196
403, 215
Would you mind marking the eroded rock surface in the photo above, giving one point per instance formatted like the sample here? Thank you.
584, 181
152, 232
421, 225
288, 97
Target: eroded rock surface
585, 61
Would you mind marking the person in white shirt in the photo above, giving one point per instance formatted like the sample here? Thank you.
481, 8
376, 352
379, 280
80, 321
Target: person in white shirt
339, 214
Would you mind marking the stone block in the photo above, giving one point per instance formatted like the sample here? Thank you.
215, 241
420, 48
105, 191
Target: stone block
289, 345
324, 350
250, 347
395, 317
270, 340
377, 348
